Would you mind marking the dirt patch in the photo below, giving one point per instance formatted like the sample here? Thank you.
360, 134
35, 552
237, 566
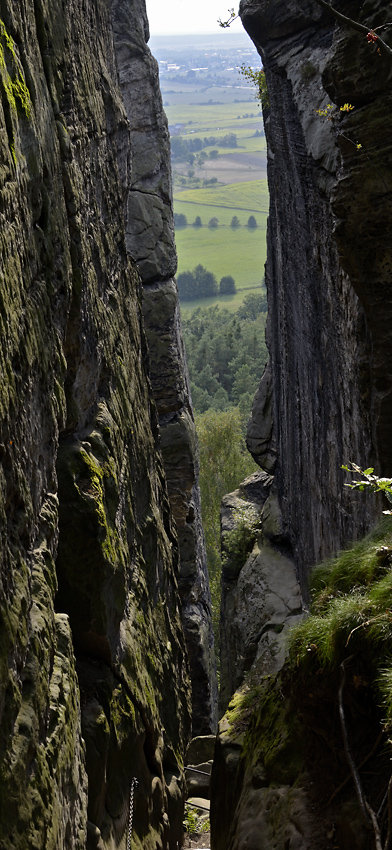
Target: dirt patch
197, 841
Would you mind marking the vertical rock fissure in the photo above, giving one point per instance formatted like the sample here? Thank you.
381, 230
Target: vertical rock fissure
150, 240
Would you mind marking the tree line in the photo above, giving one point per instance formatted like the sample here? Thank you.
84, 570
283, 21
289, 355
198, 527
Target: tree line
226, 354
180, 220
181, 148
203, 284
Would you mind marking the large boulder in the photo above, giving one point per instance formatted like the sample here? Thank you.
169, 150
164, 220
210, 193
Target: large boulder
261, 597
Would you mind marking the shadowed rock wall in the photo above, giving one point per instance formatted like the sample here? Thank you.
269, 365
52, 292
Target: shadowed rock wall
150, 240
89, 565
326, 396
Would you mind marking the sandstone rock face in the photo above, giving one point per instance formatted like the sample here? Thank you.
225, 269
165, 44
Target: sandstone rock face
150, 240
326, 396
198, 759
94, 673
261, 597
323, 399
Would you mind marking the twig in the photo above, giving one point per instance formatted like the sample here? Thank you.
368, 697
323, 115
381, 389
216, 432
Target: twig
365, 807
368, 623
362, 764
389, 832
354, 772
376, 828
355, 25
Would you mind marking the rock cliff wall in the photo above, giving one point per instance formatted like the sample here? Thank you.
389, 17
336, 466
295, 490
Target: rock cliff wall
326, 396
261, 598
325, 399
94, 686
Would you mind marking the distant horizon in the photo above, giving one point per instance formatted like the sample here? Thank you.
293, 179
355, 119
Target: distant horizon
156, 34
218, 36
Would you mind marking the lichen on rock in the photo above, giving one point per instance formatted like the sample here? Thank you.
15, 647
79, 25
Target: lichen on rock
89, 551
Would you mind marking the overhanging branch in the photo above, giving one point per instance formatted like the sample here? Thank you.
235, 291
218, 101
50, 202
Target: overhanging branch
354, 25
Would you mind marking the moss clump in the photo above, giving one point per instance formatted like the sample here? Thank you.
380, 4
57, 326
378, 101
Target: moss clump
351, 613
239, 542
273, 737
96, 474
15, 86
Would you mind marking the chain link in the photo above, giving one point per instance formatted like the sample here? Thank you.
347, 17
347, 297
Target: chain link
133, 784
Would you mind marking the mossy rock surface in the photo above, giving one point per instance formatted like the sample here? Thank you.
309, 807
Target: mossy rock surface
89, 552
281, 768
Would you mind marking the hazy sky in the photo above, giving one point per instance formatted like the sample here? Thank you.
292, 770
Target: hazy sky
189, 16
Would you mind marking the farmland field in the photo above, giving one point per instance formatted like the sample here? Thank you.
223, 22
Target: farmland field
200, 108
223, 251
252, 196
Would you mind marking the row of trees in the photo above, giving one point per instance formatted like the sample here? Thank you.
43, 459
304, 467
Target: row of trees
180, 220
181, 147
203, 284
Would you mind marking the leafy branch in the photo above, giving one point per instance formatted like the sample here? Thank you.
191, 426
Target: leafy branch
232, 17
257, 78
370, 482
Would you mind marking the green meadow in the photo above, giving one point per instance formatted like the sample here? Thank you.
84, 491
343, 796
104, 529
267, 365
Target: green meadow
251, 196
188, 108
241, 190
240, 253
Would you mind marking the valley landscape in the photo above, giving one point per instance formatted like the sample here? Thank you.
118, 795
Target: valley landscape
116, 704
218, 158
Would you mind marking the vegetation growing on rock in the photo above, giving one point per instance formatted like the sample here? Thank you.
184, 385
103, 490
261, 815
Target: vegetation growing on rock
224, 462
286, 729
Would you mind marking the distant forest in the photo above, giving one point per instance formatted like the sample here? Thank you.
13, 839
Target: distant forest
226, 354
181, 148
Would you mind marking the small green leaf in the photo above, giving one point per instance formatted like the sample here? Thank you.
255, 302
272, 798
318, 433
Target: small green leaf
368, 471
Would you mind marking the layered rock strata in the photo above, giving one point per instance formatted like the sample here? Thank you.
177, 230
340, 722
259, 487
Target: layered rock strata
150, 240
324, 399
326, 396
94, 686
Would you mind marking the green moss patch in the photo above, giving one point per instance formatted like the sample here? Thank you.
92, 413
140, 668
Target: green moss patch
351, 613
15, 91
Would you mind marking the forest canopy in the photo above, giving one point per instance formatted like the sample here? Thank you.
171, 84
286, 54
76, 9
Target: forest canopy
226, 354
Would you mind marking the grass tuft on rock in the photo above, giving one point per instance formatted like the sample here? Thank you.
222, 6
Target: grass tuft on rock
351, 613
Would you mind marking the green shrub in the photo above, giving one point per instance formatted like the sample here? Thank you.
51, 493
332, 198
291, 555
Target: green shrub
239, 542
351, 613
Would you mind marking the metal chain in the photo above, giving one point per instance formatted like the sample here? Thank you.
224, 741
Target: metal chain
133, 784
